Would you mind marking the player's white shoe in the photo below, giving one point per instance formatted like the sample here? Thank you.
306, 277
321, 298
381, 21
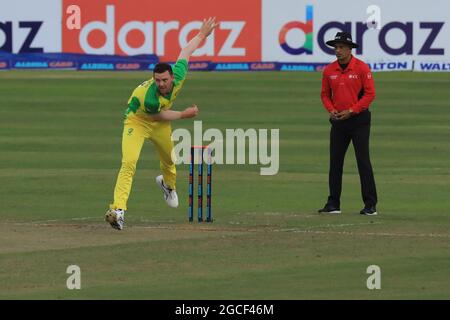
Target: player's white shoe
116, 218
170, 195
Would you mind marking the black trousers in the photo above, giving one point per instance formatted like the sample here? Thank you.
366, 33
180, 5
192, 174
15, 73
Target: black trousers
357, 130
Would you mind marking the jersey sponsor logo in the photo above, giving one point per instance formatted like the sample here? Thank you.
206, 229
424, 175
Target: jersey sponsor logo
333, 77
353, 76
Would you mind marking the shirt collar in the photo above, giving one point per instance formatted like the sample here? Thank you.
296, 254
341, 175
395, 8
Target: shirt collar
350, 66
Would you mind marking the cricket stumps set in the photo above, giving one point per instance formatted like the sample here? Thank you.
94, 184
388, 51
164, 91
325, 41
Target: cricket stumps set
200, 156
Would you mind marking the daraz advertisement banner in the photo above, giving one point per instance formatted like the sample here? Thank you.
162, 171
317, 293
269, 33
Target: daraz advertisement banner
135, 27
28, 26
393, 35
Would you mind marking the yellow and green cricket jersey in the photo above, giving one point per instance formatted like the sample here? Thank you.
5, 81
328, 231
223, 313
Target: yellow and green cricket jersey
146, 99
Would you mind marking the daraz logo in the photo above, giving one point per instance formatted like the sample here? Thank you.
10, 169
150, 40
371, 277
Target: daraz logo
307, 28
408, 29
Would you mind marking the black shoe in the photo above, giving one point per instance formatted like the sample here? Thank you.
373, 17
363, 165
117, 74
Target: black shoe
369, 211
330, 209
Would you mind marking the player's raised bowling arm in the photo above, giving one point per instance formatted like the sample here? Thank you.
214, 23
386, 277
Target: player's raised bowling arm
205, 30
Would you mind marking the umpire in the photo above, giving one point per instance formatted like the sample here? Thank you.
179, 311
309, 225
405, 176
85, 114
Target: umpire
347, 91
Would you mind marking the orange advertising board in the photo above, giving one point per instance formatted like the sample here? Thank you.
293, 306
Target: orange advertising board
163, 27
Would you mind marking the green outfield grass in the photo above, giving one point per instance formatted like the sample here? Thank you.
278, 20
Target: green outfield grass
60, 153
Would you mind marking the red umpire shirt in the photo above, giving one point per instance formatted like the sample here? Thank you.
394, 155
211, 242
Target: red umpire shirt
350, 89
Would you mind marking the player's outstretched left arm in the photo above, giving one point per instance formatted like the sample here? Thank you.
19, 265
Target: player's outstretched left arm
205, 30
